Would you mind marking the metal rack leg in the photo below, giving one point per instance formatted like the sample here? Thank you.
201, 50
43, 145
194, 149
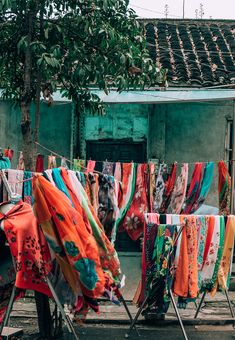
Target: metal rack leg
229, 303
178, 315
128, 313
65, 317
200, 304
136, 317
9, 309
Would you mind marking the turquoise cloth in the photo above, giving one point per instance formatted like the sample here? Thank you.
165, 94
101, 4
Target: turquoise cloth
60, 183
5, 163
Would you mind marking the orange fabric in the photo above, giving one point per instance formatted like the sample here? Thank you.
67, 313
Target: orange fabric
126, 170
210, 230
76, 245
28, 247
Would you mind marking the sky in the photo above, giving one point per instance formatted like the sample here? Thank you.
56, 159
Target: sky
214, 9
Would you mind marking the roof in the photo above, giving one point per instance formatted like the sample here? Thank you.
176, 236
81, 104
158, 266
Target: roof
159, 97
195, 52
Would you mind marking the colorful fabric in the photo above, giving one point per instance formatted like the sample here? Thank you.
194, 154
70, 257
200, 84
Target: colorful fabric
108, 255
133, 221
152, 180
40, 163
59, 182
28, 247
15, 180
225, 264
63, 163
224, 187
186, 276
21, 165
128, 189
51, 162
74, 246
118, 172
108, 168
169, 186
107, 208
5, 163
160, 187
205, 187
9, 153
90, 166
94, 191
194, 188
162, 274
79, 164
210, 261
201, 223
179, 191
27, 187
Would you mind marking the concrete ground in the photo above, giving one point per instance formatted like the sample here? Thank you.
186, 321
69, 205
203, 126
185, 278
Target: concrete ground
214, 322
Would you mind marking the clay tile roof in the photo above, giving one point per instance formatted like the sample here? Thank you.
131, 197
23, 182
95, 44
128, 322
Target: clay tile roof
195, 52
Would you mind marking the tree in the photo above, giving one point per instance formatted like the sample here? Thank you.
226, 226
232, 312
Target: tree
74, 45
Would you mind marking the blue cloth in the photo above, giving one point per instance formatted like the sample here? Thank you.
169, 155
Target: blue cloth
59, 182
5, 163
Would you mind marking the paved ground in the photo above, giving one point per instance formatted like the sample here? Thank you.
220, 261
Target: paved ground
214, 322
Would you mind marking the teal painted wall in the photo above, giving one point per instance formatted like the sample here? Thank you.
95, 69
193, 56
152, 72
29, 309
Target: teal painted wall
55, 125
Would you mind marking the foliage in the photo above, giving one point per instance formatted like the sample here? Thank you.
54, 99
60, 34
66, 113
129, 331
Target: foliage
74, 45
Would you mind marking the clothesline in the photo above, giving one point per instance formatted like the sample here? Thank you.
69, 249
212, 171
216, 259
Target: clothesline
98, 161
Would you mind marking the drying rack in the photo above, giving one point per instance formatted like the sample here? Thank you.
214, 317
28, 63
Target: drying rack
14, 198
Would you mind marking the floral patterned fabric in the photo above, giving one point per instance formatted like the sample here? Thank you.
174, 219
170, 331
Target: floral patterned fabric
27, 187
224, 187
194, 188
161, 275
134, 218
160, 187
67, 235
179, 191
186, 276
169, 186
28, 247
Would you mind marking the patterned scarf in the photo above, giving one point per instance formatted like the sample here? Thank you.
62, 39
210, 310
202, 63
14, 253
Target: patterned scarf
201, 223
15, 180
169, 186
51, 162
134, 219
160, 187
179, 191
205, 187
224, 187
27, 188
194, 188
90, 166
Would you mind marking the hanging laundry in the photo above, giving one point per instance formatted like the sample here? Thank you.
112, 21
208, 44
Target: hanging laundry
118, 172
15, 180
107, 208
186, 276
152, 181
28, 247
67, 235
224, 187
128, 189
160, 187
108, 255
205, 187
161, 277
94, 191
4, 163
21, 165
63, 163
40, 163
179, 191
48, 175
108, 168
169, 186
194, 188
27, 187
79, 164
90, 166
224, 270
133, 221
202, 225
9, 153
60, 183
51, 162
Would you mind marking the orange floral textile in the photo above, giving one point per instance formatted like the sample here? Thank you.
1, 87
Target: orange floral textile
68, 236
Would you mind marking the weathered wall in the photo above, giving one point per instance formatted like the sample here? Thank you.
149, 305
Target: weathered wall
55, 127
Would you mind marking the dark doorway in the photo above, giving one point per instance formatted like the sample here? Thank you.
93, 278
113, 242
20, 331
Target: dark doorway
122, 151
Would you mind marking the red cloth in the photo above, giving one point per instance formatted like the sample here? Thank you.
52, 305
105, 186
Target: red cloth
169, 186
28, 248
9, 153
134, 221
40, 163
194, 188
